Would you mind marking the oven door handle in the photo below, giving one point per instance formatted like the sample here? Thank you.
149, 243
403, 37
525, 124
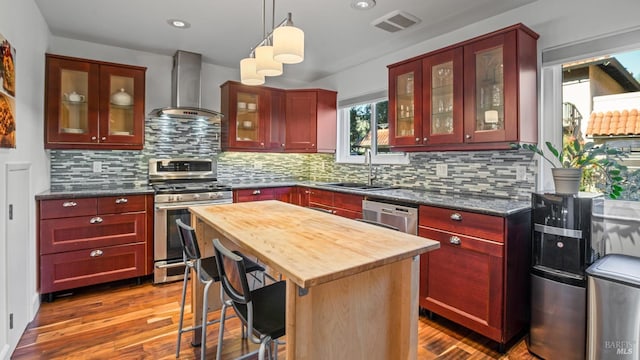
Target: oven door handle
187, 204
171, 265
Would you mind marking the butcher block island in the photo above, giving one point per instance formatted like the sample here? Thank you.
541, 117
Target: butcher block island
352, 287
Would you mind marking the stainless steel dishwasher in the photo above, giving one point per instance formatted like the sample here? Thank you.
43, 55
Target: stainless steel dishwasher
402, 217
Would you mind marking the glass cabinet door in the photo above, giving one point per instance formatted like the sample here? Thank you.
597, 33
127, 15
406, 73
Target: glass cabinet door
443, 101
247, 117
405, 104
121, 104
74, 96
121, 95
489, 89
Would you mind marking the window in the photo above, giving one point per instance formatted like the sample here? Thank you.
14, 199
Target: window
595, 79
362, 126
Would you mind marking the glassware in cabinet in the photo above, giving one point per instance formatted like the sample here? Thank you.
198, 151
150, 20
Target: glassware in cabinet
489, 66
405, 104
121, 105
247, 119
73, 111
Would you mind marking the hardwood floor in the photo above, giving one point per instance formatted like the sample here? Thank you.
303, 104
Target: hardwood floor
128, 321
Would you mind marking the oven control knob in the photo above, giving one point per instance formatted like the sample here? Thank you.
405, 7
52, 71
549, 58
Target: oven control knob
170, 198
212, 195
178, 197
196, 196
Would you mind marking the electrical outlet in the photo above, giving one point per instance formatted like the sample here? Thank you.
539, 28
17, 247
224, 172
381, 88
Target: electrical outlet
97, 166
441, 170
521, 173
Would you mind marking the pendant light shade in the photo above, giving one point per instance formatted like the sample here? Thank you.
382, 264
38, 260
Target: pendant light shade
288, 44
265, 65
248, 75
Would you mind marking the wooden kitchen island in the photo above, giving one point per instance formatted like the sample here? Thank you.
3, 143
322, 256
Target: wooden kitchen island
352, 287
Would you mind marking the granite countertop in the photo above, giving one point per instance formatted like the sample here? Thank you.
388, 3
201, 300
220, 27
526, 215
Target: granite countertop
479, 204
90, 190
475, 203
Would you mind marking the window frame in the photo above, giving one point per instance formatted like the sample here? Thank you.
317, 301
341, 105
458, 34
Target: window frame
343, 153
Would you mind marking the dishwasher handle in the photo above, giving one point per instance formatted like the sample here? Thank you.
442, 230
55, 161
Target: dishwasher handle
372, 222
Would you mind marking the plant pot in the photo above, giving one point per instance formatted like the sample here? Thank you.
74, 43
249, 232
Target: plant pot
567, 180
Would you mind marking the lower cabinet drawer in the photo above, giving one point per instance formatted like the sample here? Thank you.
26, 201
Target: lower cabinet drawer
90, 232
91, 266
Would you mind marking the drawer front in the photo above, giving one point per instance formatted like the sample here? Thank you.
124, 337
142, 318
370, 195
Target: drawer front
245, 195
63, 208
70, 234
348, 201
320, 197
121, 204
464, 282
462, 222
90, 266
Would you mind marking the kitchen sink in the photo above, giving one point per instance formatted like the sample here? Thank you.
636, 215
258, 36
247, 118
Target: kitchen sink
358, 186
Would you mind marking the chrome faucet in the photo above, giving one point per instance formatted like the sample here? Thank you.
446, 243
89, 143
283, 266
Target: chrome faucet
371, 175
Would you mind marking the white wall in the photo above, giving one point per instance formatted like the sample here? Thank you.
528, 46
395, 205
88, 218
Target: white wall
25, 28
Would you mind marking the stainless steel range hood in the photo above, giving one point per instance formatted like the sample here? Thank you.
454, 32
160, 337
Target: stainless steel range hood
185, 90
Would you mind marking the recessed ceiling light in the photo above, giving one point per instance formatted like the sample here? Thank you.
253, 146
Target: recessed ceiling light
180, 24
363, 4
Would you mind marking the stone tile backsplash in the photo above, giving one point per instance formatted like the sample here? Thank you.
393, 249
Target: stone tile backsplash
490, 173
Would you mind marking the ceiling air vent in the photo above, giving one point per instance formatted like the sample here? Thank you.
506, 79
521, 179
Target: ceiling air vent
395, 21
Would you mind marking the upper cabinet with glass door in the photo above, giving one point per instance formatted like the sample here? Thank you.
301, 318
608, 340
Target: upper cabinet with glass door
479, 94
500, 88
405, 104
442, 103
93, 105
247, 115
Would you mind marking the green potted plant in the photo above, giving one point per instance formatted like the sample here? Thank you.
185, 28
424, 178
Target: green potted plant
569, 163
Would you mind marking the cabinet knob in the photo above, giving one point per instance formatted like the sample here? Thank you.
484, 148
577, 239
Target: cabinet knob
96, 220
454, 240
261, 144
282, 145
417, 139
456, 217
122, 201
256, 192
467, 136
69, 204
425, 140
94, 138
103, 138
313, 145
96, 253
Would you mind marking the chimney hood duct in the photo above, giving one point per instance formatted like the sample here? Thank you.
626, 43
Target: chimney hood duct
185, 90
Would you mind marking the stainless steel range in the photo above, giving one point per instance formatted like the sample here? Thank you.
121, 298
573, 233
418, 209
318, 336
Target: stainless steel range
178, 184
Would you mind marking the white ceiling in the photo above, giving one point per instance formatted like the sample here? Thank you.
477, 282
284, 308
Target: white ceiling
224, 31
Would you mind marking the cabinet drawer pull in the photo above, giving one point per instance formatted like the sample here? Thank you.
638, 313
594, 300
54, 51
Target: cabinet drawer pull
96, 220
456, 217
122, 201
69, 204
256, 192
454, 240
96, 253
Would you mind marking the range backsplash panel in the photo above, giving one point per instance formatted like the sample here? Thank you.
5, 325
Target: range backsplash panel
164, 138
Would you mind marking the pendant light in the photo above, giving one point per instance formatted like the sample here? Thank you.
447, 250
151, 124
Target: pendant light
248, 74
288, 43
283, 45
265, 65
